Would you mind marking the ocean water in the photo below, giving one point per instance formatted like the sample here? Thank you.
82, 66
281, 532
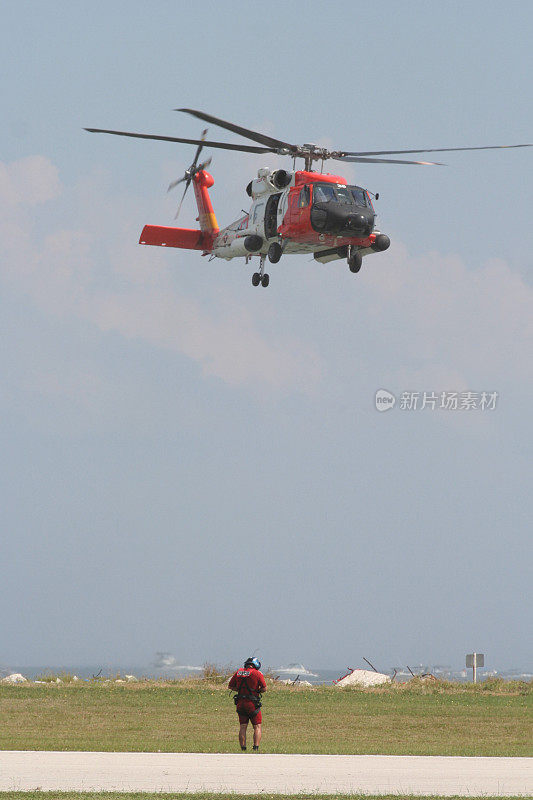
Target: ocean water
172, 672
169, 668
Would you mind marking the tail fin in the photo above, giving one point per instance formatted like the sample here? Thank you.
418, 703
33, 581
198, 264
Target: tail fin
202, 182
184, 237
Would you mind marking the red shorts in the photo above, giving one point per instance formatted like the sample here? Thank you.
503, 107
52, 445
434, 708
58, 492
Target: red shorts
247, 713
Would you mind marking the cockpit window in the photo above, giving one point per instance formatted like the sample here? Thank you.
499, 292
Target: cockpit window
344, 196
303, 200
359, 196
323, 193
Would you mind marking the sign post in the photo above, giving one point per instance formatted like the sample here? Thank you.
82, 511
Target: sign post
475, 660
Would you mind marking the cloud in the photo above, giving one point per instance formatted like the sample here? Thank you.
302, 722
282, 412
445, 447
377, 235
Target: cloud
76, 274
449, 319
30, 181
225, 342
429, 322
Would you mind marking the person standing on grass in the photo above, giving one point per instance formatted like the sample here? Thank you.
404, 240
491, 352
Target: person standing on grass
249, 684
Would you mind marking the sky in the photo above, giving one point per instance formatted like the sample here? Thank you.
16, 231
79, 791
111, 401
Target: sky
196, 466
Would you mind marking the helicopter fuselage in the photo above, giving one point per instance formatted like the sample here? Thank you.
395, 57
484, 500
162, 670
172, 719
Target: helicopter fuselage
291, 212
304, 211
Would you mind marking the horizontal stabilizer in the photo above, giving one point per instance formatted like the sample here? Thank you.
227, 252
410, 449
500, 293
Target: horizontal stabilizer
185, 238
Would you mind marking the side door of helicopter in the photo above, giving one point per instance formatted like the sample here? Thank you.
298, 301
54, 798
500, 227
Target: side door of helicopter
271, 215
256, 220
296, 222
303, 220
283, 208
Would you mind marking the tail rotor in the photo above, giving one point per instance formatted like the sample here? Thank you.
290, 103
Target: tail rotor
193, 170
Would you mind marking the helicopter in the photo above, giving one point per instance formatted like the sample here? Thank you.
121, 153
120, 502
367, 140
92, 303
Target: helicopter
292, 211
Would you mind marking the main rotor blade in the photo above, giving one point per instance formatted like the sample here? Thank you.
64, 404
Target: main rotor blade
269, 141
358, 159
245, 148
435, 150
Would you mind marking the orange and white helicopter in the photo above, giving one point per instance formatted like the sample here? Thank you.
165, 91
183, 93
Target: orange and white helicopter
302, 211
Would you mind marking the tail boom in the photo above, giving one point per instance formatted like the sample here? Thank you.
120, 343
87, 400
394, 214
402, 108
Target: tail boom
202, 182
188, 238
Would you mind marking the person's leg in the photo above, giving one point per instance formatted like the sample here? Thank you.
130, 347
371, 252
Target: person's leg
242, 734
257, 736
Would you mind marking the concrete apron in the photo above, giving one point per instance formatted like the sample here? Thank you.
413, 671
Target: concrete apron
251, 773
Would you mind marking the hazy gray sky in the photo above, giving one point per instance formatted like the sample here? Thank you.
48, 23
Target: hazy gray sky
193, 465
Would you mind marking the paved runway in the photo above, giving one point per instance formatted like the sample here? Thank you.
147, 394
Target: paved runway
249, 772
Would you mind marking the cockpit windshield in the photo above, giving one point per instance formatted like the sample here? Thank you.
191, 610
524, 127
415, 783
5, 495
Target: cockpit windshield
323, 193
346, 195
359, 196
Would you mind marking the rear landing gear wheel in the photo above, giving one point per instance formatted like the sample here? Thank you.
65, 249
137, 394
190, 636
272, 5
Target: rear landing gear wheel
355, 261
261, 277
275, 251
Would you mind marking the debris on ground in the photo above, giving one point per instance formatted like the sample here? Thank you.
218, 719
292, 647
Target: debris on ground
362, 677
15, 677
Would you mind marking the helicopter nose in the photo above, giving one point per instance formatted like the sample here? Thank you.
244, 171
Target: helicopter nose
336, 218
359, 223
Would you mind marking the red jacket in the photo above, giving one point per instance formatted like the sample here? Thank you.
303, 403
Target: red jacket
251, 680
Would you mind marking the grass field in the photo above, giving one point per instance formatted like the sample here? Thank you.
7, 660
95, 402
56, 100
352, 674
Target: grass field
200, 717
210, 796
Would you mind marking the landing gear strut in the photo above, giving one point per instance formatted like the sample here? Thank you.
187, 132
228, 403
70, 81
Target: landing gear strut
355, 260
261, 277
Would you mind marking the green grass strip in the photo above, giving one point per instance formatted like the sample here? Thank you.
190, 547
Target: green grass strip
215, 796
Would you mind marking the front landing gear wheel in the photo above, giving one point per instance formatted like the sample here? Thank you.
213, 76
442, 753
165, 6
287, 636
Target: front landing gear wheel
256, 279
275, 251
265, 280
355, 261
